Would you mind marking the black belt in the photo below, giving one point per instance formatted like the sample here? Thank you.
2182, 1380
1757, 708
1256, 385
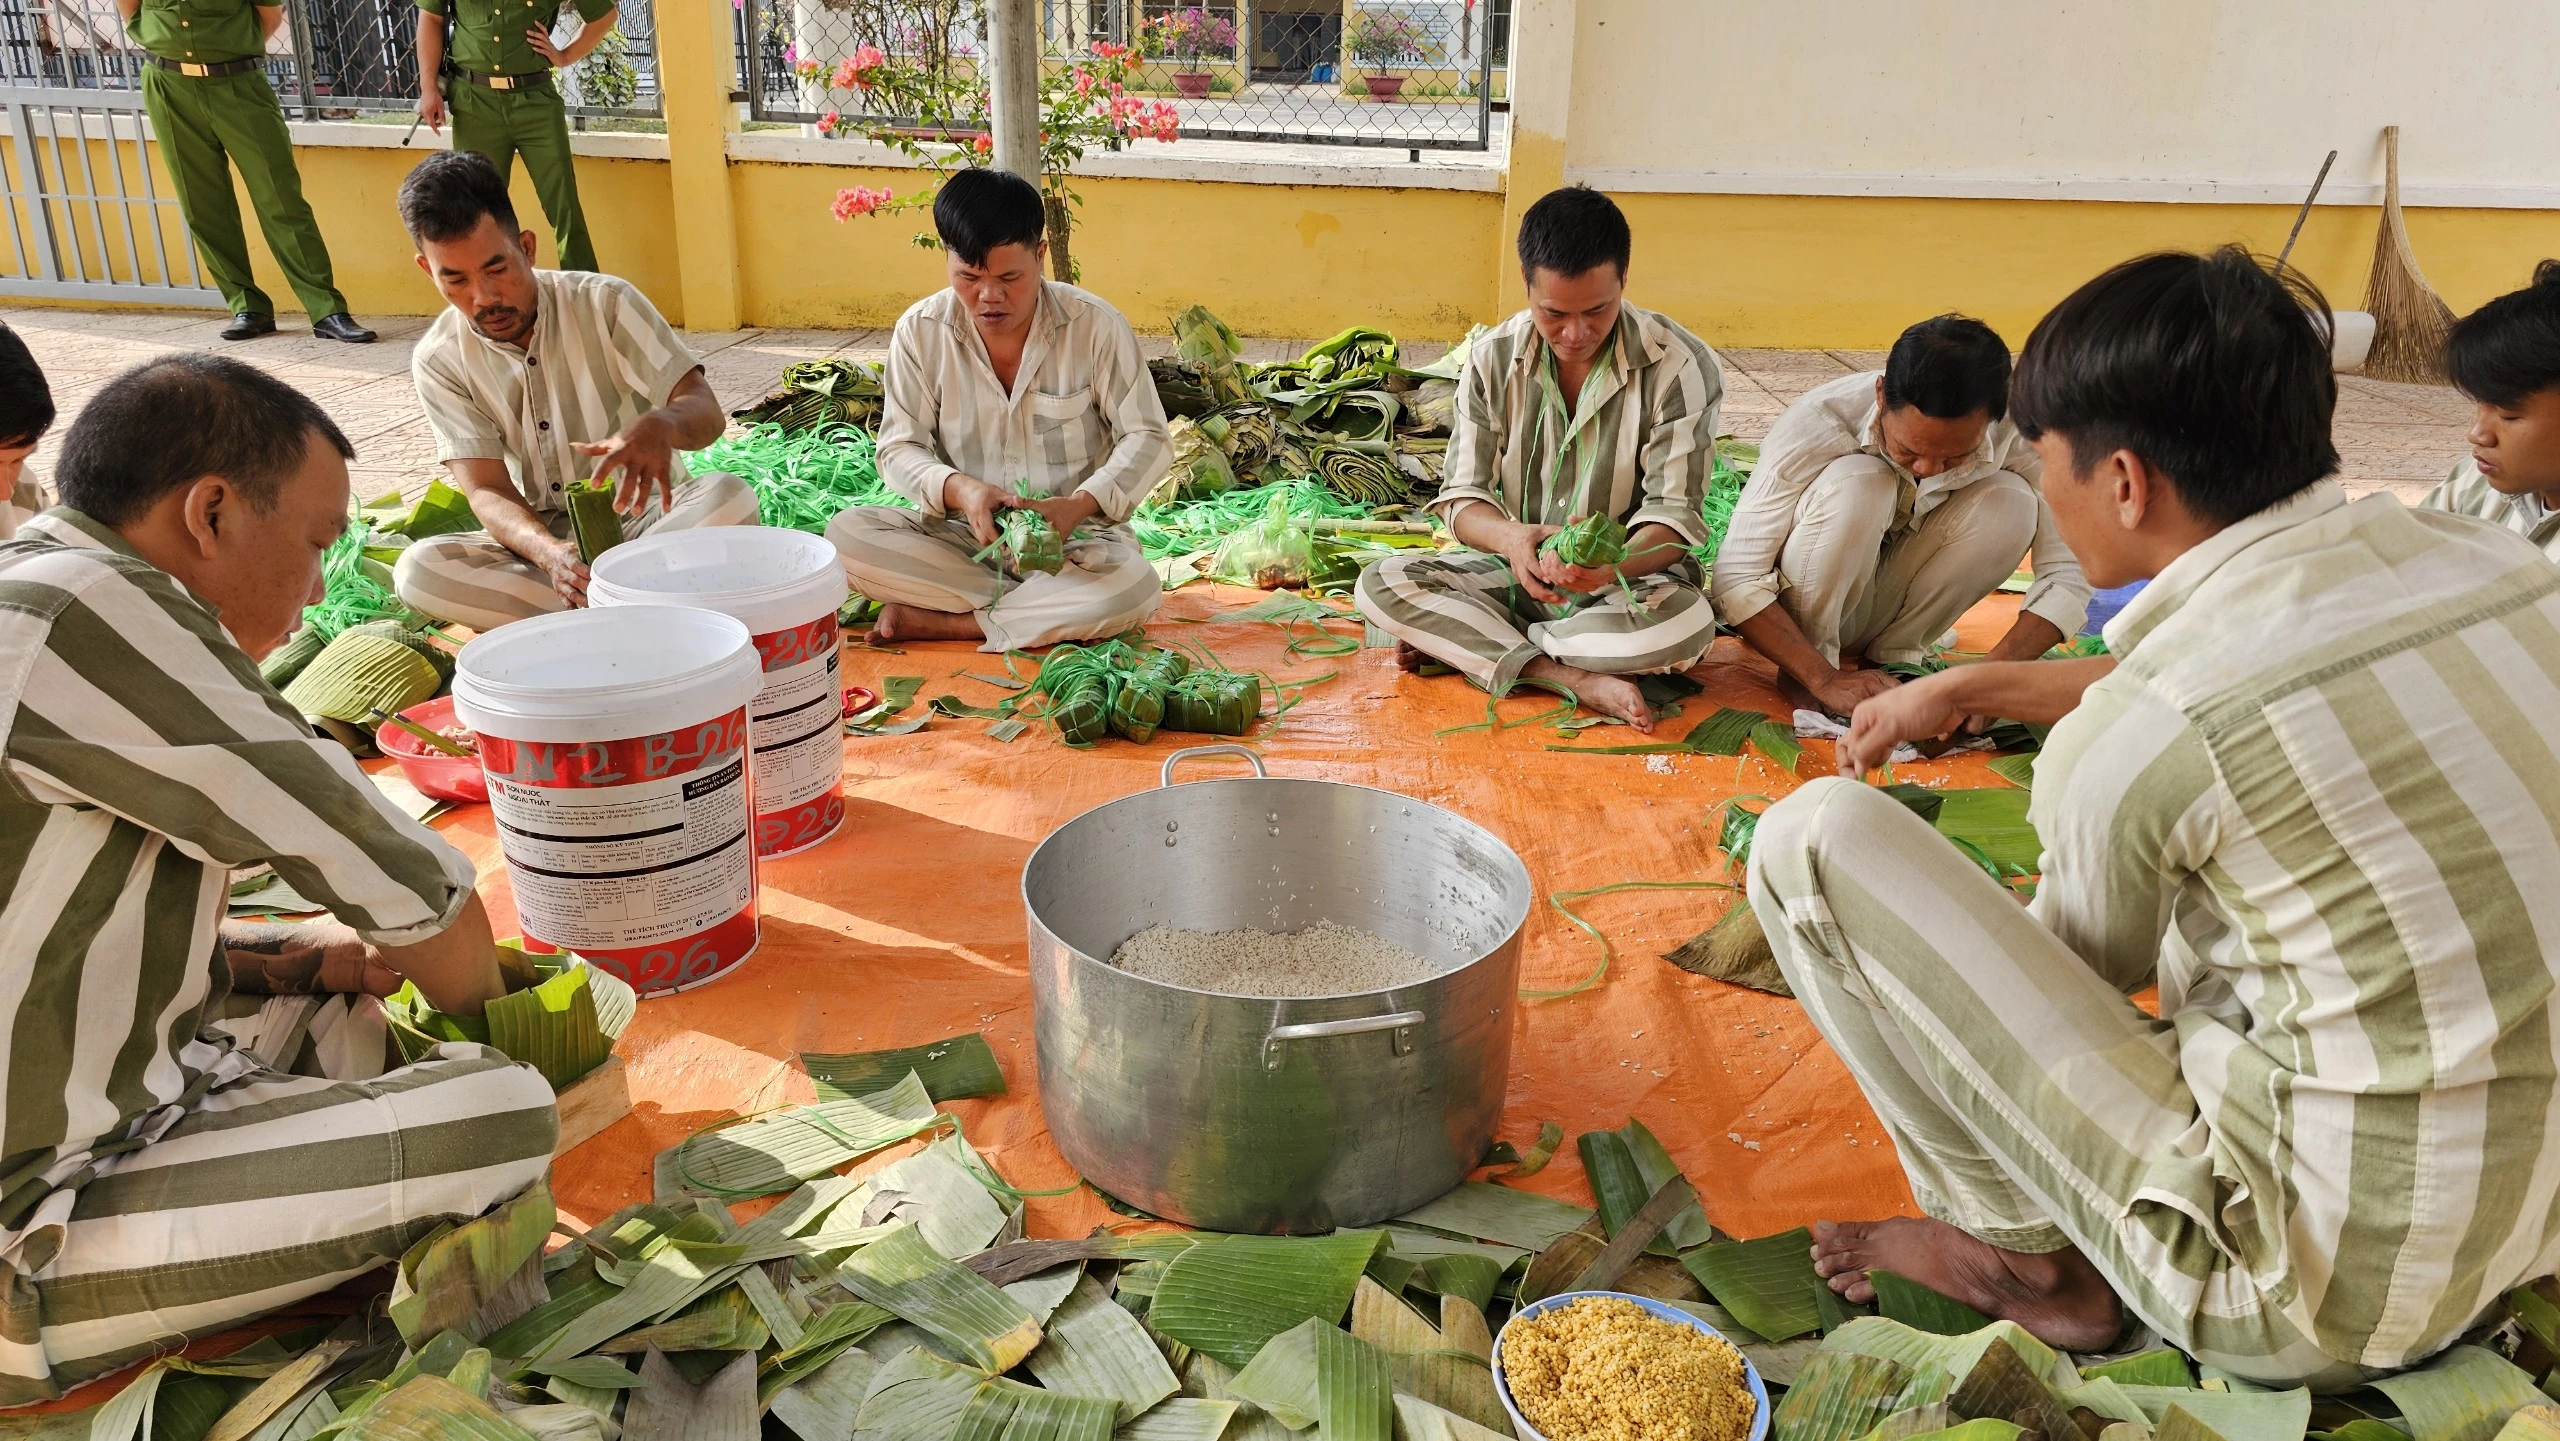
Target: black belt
538, 80
193, 71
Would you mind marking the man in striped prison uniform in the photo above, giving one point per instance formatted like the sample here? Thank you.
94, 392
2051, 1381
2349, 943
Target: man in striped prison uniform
2310, 796
1579, 405
158, 1183
1885, 505
999, 385
532, 380
2505, 356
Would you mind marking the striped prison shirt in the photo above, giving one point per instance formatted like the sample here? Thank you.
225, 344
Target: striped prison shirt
1845, 417
142, 759
2467, 492
2318, 800
1638, 444
1082, 414
600, 357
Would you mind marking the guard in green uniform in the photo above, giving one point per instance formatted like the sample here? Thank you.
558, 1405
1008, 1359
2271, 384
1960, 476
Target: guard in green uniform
211, 109
503, 101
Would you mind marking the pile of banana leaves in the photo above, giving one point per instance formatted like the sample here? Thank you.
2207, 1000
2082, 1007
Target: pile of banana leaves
815, 393
906, 1305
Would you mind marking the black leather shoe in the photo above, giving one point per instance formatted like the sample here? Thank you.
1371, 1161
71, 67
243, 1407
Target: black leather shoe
248, 325
339, 327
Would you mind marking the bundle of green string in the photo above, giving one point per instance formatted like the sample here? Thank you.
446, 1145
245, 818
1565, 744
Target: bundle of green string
1190, 526
358, 587
801, 479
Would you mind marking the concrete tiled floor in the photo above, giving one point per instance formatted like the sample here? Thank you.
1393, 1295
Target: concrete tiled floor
2400, 438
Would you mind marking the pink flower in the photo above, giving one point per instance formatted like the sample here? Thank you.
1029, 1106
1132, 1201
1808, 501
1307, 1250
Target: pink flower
1105, 50
856, 72
828, 122
860, 200
985, 145
806, 69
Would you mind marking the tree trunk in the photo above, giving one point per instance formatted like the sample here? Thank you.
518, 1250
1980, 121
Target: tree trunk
1062, 265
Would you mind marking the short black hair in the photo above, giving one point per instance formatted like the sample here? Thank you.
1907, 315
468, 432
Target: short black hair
203, 415
445, 196
980, 210
1574, 230
2213, 370
2510, 347
1949, 366
26, 401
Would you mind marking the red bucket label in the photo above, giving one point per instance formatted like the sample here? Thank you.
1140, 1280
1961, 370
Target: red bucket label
799, 753
636, 854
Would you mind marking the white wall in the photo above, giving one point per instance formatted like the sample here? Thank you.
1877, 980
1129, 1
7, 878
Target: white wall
2207, 100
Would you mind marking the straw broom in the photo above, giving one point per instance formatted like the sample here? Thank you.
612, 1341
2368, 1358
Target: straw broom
2410, 321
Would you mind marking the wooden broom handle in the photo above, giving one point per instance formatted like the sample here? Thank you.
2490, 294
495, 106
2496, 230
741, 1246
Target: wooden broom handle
2304, 213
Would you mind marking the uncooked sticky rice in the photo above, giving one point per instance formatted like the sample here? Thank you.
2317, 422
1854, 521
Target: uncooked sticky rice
1322, 960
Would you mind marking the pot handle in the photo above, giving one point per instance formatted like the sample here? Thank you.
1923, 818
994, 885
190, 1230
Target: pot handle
1187, 752
1400, 1022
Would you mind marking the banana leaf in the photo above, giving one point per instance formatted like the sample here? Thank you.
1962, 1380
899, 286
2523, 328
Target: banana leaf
572, 1294
827, 1336
1316, 1374
1359, 419
593, 521
951, 1208
900, 1274
1839, 1396
822, 1406
1767, 1284
1981, 1428
2105, 1398
916, 1397
1182, 1418
725, 1320
559, 1027
1614, 1181
1994, 821
1419, 1245
1473, 1279
296, 1380
2017, 770
817, 393
1655, 1168
670, 1406
1096, 1348
1182, 387
1430, 409
669, 1280
1418, 1420
2162, 1367
1358, 476
1459, 1382
1913, 1421
1936, 1362
1228, 1295
2365, 1428
1209, 345
442, 510
2533, 1423
779, 1151
445, 1280
1778, 742
1922, 1309
2002, 1384
596, 1373
1001, 1410
1488, 1212
1382, 1318
2466, 1394
431, 1408
2242, 1415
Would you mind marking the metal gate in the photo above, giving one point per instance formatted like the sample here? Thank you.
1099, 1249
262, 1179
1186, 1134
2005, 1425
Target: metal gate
82, 205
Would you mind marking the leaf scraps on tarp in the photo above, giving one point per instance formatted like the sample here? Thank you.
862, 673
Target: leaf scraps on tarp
900, 1274
667, 1407
1227, 1295
1562, 901
1531, 1161
1317, 1374
2466, 1394
1839, 1396
445, 1280
1721, 734
1498, 1213
762, 1154
1096, 1348
952, 1069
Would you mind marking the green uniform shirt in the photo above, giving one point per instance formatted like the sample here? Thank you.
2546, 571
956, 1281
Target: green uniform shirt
489, 35
202, 32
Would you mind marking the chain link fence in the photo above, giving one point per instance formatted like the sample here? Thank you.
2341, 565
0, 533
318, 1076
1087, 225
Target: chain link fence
332, 60
1409, 74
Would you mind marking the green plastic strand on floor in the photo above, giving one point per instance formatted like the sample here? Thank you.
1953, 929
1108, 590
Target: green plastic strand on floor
358, 587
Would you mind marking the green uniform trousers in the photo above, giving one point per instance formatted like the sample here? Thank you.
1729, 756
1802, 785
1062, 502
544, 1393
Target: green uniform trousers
208, 125
503, 124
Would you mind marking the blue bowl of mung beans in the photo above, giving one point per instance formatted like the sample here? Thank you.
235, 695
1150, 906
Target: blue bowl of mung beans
1634, 1334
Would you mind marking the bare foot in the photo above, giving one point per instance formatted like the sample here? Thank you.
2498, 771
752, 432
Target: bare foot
907, 622
1610, 695
2058, 1296
1408, 659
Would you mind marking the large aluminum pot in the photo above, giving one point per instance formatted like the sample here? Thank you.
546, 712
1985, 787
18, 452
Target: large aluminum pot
1244, 1113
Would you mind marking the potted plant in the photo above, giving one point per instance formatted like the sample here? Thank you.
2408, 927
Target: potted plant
1190, 36
1379, 40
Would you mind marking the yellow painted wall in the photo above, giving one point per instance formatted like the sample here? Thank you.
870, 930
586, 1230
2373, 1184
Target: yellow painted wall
1269, 259
1851, 272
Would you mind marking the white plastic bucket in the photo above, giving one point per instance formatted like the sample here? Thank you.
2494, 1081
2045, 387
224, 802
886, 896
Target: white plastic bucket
786, 586
615, 743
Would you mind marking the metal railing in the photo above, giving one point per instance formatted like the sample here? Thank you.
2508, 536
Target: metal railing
83, 213
333, 59
1406, 74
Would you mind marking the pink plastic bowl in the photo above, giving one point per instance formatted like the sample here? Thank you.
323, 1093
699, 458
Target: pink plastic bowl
447, 778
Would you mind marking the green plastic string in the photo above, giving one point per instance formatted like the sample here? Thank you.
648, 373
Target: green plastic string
1562, 900
985, 1171
802, 479
355, 592
1493, 720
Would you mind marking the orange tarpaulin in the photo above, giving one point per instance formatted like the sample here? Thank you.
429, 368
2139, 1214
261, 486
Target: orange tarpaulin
908, 926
